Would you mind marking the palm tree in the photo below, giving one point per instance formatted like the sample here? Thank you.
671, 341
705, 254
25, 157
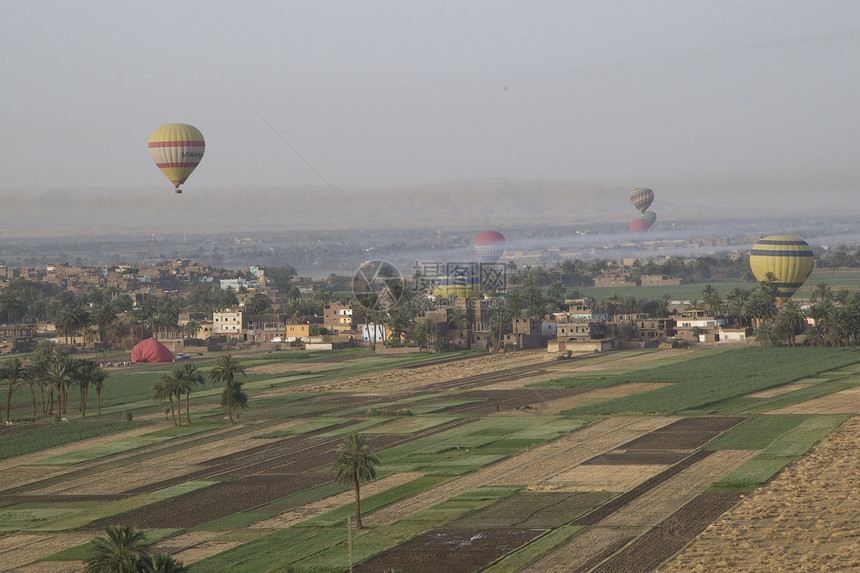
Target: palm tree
514, 302
226, 369
499, 323
375, 318
822, 291
70, 319
457, 318
12, 371
792, 318
122, 550
356, 463
166, 563
57, 376
168, 385
32, 378
192, 328
103, 317
97, 381
711, 300
190, 377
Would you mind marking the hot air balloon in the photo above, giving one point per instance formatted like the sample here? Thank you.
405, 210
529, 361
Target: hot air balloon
638, 225
177, 149
489, 246
462, 281
650, 217
642, 198
789, 258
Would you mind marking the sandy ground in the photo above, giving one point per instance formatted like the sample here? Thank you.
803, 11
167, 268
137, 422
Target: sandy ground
805, 520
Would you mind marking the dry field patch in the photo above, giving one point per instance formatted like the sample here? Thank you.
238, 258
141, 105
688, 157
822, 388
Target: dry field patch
657, 504
843, 402
806, 519
316, 508
415, 378
19, 550
600, 478
171, 465
588, 548
777, 391
594, 396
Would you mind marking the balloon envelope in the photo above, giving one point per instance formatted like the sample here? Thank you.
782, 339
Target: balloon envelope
638, 225
642, 198
789, 258
489, 246
176, 149
650, 217
151, 350
461, 282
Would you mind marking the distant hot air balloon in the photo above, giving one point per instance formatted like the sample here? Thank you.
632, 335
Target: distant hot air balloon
489, 246
176, 148
638, 225
642, 198
789, 258
650, 217
462, 281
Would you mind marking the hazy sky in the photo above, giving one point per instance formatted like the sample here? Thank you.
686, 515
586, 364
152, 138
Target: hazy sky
701, 101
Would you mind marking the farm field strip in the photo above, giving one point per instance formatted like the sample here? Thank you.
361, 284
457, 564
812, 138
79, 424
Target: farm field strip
663, 500
28, 548
294, 516
55, 476
596, 395
841, 402
528, 467
137, 474
583, 551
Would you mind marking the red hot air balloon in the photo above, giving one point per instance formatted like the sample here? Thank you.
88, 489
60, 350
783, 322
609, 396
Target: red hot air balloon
642, 198
638, 225
489, 246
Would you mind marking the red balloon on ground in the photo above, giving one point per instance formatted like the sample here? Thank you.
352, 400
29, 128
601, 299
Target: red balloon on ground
151, 350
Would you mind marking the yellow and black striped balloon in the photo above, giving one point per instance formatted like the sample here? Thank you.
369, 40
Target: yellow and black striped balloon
789, 258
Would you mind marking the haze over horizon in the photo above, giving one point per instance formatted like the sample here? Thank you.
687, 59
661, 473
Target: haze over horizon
706, 103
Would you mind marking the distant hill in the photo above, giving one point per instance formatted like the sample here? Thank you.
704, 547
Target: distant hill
475, 204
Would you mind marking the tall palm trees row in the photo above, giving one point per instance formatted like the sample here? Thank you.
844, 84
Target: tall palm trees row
53, 372
182, 380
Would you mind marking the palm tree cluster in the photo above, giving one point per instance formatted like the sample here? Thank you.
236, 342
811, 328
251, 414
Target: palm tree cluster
176, 383
835, 315
182, 380
114, 314
53, 372
124, 549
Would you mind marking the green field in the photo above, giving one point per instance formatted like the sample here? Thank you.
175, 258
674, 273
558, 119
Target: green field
441, 441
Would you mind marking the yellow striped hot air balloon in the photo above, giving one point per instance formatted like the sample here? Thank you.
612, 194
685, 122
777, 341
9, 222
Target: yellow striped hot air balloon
461, 281
177, 149
789, 258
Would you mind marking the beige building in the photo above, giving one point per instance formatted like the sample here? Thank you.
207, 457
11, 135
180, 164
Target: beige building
229, 324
